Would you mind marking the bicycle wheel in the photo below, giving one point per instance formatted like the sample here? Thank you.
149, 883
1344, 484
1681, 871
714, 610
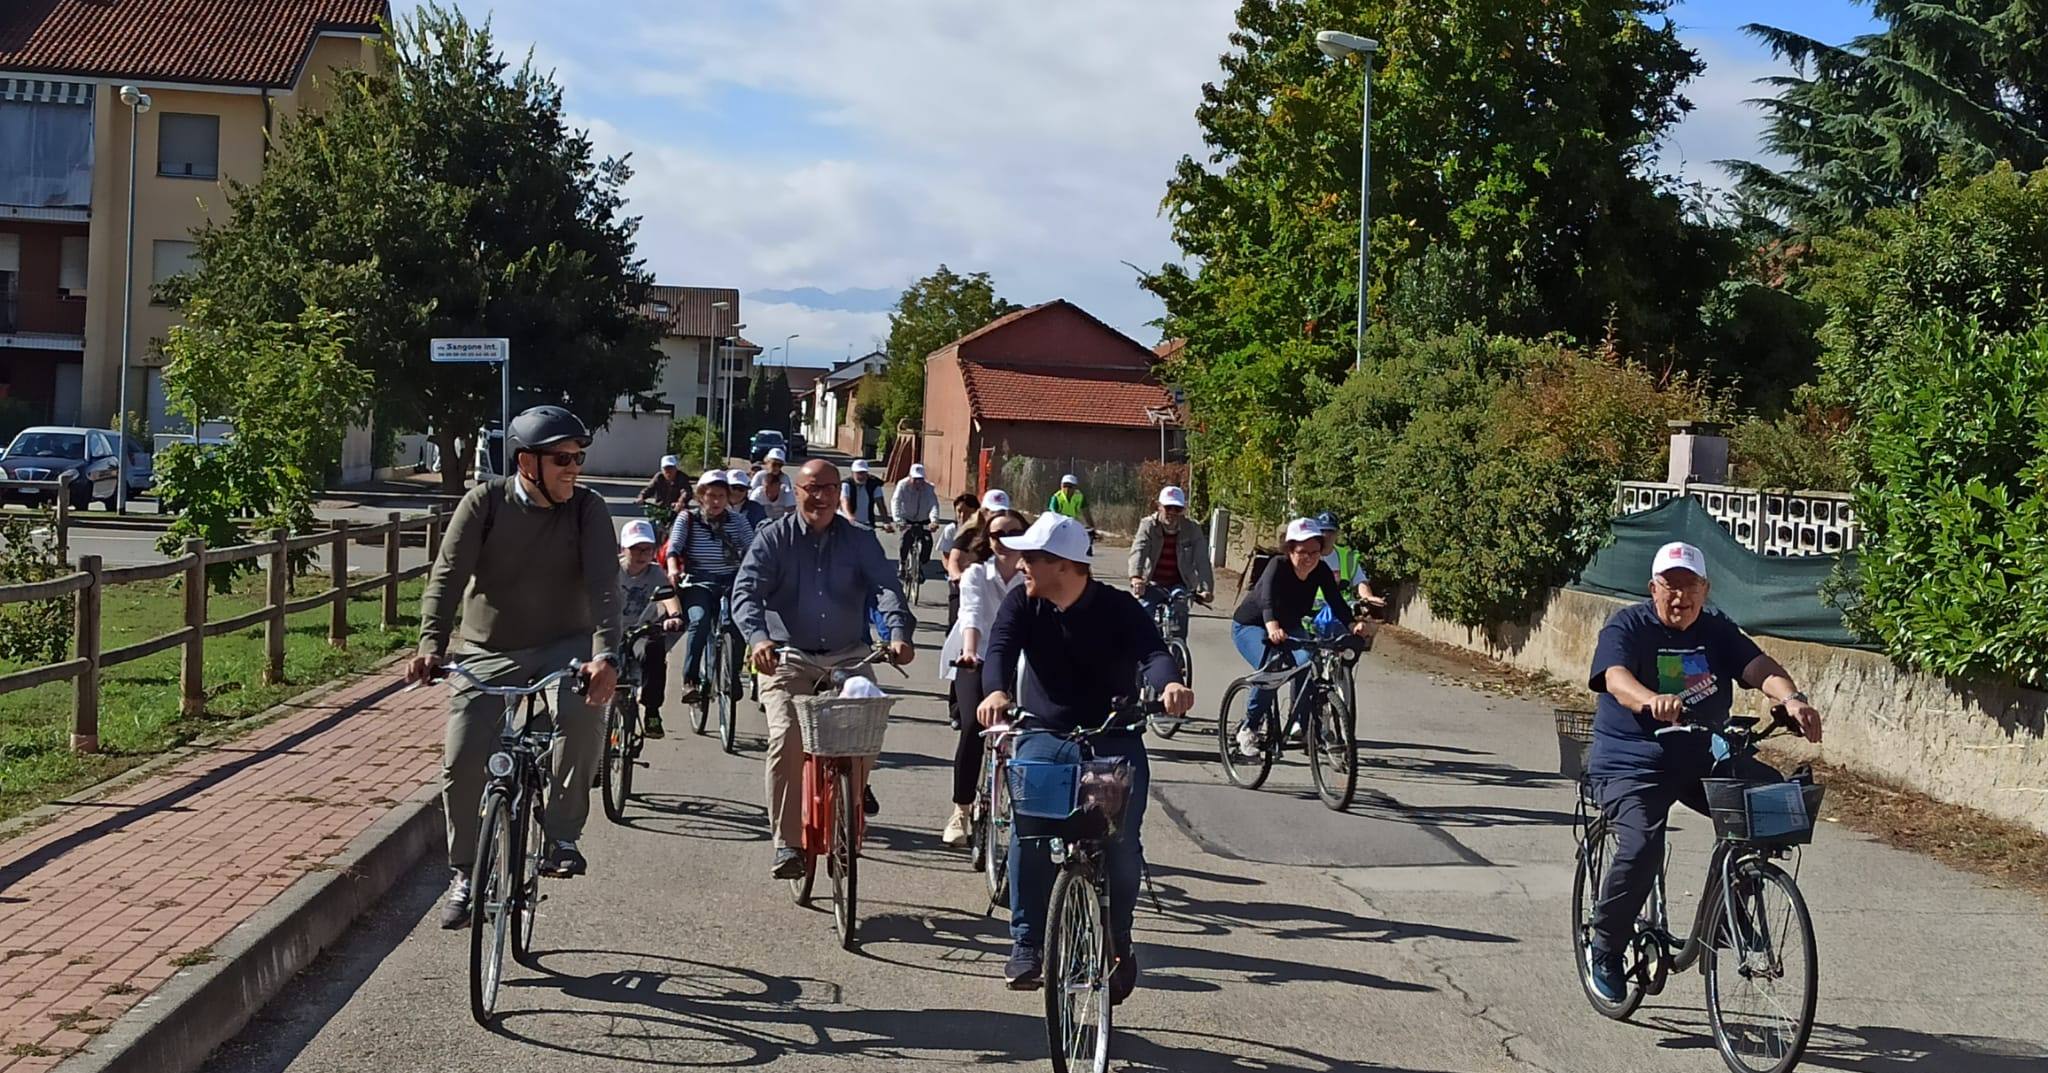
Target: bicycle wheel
1245, 771
1762, 972
845, 855
1332, 751
1077, 1010
995, 866
700, 712
907, 573
728, 677
1596, 851
532, 850
615, 779
492, 901
1167, 726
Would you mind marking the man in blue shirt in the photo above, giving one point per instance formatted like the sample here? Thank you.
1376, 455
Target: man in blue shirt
803, 585
1667, 658
1083, 642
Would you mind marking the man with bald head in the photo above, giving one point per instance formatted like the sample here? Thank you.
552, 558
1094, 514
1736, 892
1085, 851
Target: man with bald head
805, 586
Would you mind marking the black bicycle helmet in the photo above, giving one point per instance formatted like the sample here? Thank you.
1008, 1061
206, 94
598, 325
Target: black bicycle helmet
545, 426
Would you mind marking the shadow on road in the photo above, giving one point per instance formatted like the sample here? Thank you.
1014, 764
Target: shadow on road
688, 816
1880, 1049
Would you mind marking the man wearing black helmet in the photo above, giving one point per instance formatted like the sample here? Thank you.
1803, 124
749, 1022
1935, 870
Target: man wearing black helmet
532, 562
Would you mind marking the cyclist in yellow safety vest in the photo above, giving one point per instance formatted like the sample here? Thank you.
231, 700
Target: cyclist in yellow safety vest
1070, 502
1349, 566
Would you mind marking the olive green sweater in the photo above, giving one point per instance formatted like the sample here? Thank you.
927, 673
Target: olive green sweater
545, 574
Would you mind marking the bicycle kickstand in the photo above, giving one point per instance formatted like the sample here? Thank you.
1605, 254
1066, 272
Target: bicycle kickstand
1151, 890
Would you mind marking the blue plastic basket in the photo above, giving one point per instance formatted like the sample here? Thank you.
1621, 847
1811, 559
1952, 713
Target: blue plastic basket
1044, 789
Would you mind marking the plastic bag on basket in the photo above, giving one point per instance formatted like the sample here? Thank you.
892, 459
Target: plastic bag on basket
1105, 787
862, 689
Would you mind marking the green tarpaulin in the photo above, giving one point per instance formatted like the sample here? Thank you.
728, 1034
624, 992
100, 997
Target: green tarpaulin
1769, 595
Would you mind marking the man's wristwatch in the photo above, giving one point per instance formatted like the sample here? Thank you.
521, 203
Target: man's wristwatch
1798, 696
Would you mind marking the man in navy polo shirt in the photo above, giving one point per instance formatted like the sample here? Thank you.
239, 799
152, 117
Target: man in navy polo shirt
1667, 658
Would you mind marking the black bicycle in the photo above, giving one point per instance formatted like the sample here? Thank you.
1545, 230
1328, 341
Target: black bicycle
724, 660
623, 735
1322, 707
916, 549
1752, 936
1167, 614
505, 896
1076, 809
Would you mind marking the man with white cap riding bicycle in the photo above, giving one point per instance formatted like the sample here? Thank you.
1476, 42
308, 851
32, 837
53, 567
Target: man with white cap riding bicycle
915, 506
771, 463
1070, 502
1170, 552
861, 497
667, 488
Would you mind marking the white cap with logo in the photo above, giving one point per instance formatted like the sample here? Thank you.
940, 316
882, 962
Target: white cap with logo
1173, 496
775, 455
670, 461
917, 470
995, 499
636, 532
1304, 529
1679, 555
860, 465
1071, 479
1054, 534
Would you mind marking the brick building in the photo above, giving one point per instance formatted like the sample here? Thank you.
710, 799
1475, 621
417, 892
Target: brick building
1050, 381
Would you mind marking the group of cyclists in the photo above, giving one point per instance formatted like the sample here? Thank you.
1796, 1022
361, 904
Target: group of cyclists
532, 575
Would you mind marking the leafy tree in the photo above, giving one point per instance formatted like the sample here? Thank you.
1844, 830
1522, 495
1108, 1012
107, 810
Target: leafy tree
1869, 124
931, 313
1511, 186
442, 194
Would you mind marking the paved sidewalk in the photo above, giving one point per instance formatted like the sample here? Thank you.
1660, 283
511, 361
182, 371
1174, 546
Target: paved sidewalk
104, 904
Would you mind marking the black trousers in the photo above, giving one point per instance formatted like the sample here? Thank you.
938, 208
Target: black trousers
651, 652
1638, 807
967, 755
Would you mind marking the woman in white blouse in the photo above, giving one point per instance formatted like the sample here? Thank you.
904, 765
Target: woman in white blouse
982, 589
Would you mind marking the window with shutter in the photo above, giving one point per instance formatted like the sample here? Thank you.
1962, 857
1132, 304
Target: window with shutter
71, 266
188, 146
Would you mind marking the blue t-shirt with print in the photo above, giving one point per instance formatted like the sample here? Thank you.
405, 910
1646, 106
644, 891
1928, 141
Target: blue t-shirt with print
1702, 664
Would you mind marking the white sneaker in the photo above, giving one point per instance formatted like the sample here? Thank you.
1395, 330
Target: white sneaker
1248, 744
955, 833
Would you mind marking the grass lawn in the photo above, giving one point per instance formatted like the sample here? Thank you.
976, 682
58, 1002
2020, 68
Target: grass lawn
139, 700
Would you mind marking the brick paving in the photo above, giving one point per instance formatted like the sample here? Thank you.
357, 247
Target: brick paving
100, 907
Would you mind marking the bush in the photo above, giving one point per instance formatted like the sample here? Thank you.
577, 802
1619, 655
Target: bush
1152, 476
33, 632
1954, 570
1115, 498
1804, 448
1484, 467
688, 438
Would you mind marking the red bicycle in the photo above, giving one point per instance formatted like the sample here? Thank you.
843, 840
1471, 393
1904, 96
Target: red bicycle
841, 736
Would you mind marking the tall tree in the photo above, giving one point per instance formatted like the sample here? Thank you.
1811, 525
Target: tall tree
442, 194
1872, 123
932, 312
1511, 138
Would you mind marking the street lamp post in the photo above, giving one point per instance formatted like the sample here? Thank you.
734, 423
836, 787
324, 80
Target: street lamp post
138, 104
731, 390
711, 404
786, 351
1337, 44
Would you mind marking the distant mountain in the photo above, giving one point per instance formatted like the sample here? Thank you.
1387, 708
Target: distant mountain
850, 300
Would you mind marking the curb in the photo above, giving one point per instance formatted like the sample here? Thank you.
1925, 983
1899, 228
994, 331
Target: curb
197, 1010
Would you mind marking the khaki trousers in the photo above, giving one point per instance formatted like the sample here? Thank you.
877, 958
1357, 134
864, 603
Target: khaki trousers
795, 678
475, 725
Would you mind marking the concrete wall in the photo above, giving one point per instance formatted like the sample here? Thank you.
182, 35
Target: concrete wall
1963, 742
630, 446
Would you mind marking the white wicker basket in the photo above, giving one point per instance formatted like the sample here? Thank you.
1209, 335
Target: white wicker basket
843, 726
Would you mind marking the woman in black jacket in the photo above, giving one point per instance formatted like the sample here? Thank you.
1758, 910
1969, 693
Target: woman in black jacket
1275, 610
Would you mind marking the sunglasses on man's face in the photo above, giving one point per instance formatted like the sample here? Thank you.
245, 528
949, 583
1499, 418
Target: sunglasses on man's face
567, 459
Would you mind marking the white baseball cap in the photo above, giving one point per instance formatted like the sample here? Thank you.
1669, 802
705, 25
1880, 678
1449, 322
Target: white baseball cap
1054, 534
995, 499
670, 461
860, 465
636, 532
1304, 529
775, 455
1173, 496
1071, 479
710, 477
1679, 555
917, 470
739, 476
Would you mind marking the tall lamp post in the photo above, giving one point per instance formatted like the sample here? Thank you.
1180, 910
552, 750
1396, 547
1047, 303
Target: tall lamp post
711, 405
138, 103
786, 351
1337, 45
731, 390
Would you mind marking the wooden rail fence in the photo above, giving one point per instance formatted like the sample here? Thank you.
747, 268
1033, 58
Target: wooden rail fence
91, 580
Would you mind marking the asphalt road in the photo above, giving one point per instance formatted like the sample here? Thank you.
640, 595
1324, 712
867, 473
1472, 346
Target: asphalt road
1425, 930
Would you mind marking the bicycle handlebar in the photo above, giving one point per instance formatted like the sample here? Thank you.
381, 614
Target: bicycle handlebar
1125, 716
1738, 725
448, 670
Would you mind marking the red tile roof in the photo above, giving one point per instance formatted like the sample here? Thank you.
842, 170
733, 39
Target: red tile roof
689, 312
260, 43
1114, 397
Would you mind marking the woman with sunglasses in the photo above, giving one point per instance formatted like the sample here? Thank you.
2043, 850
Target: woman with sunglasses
996, 572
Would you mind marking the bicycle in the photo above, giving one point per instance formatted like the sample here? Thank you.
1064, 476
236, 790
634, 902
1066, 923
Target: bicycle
1322, 707
991, 816
1075, 808
837, 732
623, 734
1755, 825
917, 547
1167, 614
505, 877
722, 666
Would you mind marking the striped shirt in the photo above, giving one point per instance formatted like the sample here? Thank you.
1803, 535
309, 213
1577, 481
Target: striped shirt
703, 553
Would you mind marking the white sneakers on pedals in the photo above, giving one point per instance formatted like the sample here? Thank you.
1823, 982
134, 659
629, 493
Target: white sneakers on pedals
1248, 743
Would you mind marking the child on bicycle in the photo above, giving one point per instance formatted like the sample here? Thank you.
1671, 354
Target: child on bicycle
639, 577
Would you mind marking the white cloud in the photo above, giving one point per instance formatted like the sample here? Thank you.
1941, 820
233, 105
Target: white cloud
1723, 125
824, 335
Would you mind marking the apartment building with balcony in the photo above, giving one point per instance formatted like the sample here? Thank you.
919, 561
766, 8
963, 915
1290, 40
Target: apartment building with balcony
220, 74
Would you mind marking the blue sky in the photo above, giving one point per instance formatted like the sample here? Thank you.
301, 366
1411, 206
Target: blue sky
821, 155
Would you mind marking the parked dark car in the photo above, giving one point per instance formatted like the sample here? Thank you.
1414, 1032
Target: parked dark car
765, 441
43, 454
798, 448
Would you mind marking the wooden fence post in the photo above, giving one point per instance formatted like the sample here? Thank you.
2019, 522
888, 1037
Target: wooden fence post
273, 631
192, 672
337, 572
391, 540
85, 712
434, 523
63, 525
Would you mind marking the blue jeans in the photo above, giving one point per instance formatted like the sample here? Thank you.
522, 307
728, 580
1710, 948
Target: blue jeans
1251, 644
700, 606
1155, 595
1031, 867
